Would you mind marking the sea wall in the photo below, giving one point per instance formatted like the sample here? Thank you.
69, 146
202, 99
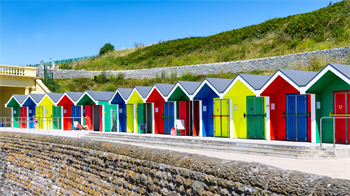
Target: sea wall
270, 63
53, 165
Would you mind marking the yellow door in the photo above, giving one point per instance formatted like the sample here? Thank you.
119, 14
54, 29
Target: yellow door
130, 117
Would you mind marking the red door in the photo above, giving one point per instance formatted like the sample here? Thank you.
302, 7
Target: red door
67, 125
101, 119
195, 118
23, 114
183, 115
88, 116
341, 108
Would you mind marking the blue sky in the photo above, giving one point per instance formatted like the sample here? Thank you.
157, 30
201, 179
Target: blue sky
31, 31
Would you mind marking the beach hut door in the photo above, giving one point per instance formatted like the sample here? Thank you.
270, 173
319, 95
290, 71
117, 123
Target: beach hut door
96, 117
114, 119
342, 109
221, 117
23, 114
296, 117
130, 117
255, 118
141, 121
168, 116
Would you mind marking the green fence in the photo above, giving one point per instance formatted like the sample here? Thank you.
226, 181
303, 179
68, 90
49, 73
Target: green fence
50, 83
64, 61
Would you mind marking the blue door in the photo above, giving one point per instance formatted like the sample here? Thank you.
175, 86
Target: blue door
75, 112
296, 117
31, 112
168, 116
122, 117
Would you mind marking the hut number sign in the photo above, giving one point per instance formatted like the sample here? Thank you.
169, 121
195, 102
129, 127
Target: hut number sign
272, 106
156, 110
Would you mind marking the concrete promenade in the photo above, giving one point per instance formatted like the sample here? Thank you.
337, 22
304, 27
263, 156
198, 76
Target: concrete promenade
336, 168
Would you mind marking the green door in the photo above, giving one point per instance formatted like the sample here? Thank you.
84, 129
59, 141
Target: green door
114, 119
56, 112
255, 118
221, 117
140, 118
130, 117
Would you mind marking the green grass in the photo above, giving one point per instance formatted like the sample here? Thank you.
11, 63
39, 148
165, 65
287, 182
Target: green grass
103, 82
325, 28
111, 83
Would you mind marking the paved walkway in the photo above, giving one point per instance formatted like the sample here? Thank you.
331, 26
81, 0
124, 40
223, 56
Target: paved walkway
337, 168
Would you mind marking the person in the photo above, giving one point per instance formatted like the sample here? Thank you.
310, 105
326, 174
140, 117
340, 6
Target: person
35, 122
79, 126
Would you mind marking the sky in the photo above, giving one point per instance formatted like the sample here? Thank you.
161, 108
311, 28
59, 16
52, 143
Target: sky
31, 31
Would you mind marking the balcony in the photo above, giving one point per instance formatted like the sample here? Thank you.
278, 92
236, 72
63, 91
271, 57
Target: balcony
6, 70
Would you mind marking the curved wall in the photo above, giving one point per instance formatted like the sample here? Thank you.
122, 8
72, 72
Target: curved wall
53, 165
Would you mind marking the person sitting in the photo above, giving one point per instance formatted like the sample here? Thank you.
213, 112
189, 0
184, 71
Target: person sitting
77, 125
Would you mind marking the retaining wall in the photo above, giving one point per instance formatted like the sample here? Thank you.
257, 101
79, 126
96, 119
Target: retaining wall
53, 165
270, 63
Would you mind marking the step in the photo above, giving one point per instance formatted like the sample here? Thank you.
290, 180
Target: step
225, 146
240, 151
201, 140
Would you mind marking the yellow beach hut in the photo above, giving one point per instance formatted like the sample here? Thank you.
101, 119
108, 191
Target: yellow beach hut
48, 113
248, 110
137, 97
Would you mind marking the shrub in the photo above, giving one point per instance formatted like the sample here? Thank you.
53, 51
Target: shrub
314, 64
101, 78
65, 66
106, 48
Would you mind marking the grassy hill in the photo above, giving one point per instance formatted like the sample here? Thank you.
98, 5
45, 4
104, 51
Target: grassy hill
325, 28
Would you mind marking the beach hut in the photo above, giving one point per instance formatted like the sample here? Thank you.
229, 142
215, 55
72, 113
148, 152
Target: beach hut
187, 110
249, 112
96, 104
31, 103
290, 108
136, 104
119, 115
70, 110
19, 114
215, 111
164, 112
48, 113
331, 86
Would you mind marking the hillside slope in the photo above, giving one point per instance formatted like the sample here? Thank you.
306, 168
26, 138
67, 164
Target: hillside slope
325, 28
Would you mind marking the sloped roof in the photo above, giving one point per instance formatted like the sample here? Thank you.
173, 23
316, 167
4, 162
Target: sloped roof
20, 98
37, 97
164, 88
100, 95
219, 84
74, 96
55, 97
344, 69
300, 78
143, 90
125, 92
190, 87
255, 81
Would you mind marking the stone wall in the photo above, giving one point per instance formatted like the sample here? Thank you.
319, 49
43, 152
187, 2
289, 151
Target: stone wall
270, 63
54, 165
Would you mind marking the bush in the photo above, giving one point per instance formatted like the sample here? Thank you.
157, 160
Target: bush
106, 48
101, 78
65, 66
314, 64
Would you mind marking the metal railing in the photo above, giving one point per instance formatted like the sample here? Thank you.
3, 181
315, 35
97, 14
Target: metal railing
332, 117
42, 123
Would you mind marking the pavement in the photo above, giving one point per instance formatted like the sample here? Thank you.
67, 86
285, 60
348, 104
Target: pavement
336, 168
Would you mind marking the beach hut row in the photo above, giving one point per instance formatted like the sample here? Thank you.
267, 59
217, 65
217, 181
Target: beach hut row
286, 106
